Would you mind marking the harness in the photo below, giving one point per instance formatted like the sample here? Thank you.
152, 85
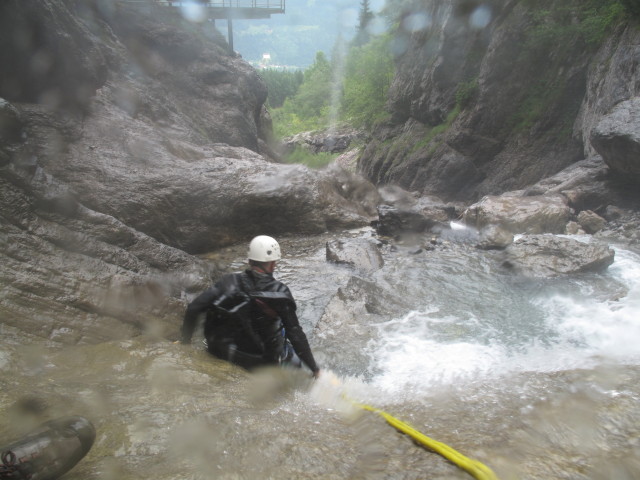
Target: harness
243, 327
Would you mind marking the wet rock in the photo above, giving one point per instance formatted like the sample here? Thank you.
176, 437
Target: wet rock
10, 132
494, 237
581, 182
362, 253
332, 141
613, 213
472, 154
398, 197
574, 228
404, 213
623, 226
394, 221
590, 221
188, 196
348, 160
158, 154
617, 138
550, 256
535, 214
80, 276
41, 58
345, 198
10, 124
589, 185
351, 314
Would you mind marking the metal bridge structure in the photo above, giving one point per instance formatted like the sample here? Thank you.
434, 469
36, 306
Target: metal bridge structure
221, 9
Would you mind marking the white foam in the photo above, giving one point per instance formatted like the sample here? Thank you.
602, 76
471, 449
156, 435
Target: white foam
412, 353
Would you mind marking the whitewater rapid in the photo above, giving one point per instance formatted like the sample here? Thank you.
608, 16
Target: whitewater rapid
568, 325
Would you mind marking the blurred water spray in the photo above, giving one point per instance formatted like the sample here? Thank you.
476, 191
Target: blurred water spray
193, 11
339, 57
480, 17
416, 22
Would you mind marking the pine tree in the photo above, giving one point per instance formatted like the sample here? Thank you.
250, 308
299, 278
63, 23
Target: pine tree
366, 15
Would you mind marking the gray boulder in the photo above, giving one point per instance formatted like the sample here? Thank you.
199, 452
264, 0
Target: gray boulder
329, 141
350, 316
361, 253
493, 237
550, 256
183, 193
617, 138
403, 212
590, 221
534, 214
394, 221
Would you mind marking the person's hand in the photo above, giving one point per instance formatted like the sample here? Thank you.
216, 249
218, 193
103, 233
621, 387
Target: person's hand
316, 374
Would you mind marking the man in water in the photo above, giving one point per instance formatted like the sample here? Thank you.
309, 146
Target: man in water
250, 316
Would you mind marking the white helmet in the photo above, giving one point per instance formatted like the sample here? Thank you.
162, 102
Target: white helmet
264, 249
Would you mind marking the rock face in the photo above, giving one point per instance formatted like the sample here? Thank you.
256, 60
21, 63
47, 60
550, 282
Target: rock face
129, 137
617, 138
613, 77
483, 103
85, 277
169, 140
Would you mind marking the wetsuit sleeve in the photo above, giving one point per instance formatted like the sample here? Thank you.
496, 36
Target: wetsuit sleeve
199, 305
296, 336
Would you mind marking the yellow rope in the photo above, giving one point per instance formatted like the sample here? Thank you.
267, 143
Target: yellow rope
475, 468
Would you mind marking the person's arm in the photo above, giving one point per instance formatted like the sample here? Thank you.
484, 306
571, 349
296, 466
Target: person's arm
297, 337
200, 304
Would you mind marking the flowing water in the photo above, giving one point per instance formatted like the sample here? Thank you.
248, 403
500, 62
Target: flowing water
537, 378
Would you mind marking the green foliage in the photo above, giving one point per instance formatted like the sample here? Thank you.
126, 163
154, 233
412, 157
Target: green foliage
368, 73
281, 84
466, 92
433, 132
310, 159
537, 101
315, 91
564, 23
565, 28
308, 109
359, 96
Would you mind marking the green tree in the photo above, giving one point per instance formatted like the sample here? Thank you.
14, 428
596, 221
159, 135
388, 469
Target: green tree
308, 108
315, 91
366, 15
281, 84
368, 73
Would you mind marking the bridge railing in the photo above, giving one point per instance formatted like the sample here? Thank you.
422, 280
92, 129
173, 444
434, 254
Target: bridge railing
269, 4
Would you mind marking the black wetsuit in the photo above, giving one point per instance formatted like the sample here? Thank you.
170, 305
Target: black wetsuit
250, 317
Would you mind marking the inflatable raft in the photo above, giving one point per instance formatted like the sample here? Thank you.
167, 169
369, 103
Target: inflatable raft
49, 451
